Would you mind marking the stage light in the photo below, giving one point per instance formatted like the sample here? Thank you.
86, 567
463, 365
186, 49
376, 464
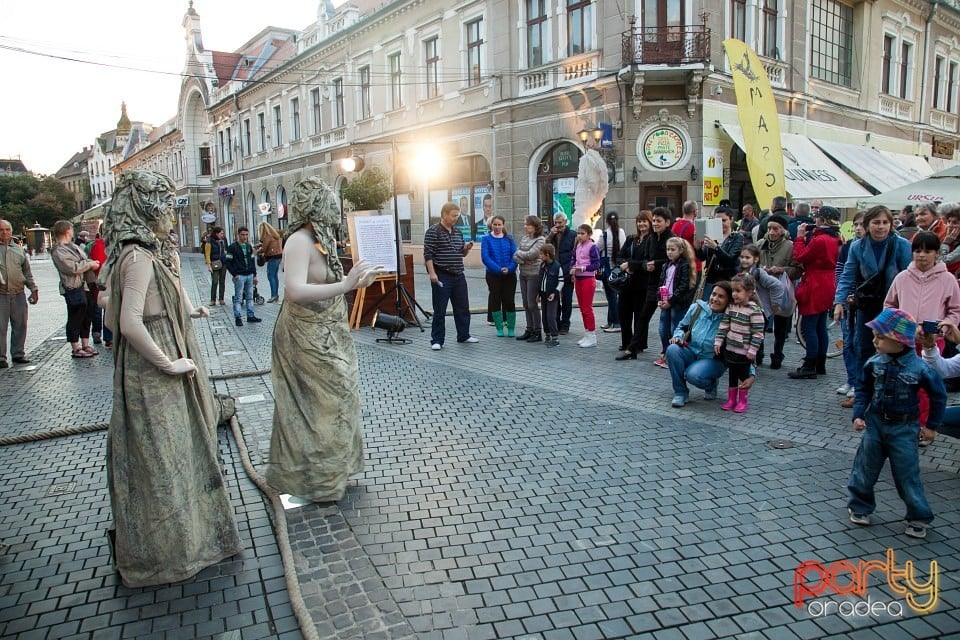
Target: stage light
352, 164
391, 324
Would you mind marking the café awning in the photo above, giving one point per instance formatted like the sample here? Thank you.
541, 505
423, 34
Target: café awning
943, 186
879, 170
809, 173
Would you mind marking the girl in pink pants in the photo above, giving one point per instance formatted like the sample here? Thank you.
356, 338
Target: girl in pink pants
584, 268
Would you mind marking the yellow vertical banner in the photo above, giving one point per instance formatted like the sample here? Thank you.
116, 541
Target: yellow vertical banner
757, 112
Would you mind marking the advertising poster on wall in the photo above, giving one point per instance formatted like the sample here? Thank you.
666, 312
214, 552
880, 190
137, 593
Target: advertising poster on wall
483, 209
563, 189
460, 196
712, 176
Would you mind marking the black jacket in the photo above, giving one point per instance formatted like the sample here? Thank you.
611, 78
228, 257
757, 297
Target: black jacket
564, 245
240, 260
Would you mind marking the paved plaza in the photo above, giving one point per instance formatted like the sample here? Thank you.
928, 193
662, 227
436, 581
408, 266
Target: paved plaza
510, 491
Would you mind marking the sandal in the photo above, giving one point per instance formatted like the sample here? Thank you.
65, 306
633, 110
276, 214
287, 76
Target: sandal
80, 353
90, 350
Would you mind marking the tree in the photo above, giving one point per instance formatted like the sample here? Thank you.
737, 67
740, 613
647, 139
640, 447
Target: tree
369, 191
26, 199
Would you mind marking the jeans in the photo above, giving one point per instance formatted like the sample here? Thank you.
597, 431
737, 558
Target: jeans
94, 311
566, 302
243, 288
218, 281
529, 293
814, 330
669, 319
13, 315
273, 268
951, 423
897, 441
685, 366
864, 339
613, 304
586, 287
850, 360
450, 289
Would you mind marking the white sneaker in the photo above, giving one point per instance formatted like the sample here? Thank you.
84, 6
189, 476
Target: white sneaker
851, 393
580, 341
471, 340
843, 389
589, 340
436, 347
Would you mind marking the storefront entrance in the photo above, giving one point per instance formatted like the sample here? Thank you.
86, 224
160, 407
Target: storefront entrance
664, 194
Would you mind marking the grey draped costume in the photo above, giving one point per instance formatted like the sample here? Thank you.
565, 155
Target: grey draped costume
316, 443
170, 507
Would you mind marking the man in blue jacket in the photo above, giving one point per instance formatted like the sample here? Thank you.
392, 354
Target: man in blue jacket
242, 265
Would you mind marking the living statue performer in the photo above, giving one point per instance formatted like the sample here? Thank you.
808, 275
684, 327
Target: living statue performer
316, 443
171, 513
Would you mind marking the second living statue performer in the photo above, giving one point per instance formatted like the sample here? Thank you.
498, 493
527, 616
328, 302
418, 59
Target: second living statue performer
316, 443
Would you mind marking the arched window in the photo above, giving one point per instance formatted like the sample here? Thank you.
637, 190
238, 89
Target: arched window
556, 181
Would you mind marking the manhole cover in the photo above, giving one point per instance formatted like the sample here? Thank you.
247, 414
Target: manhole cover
780, 444
61, 489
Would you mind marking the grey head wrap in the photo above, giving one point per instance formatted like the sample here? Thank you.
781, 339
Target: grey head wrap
140, 202
313, 201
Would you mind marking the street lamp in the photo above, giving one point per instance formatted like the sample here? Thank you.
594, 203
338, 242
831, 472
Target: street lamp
586, 134
352, 164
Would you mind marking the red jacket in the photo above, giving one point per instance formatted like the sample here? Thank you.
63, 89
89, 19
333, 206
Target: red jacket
818, 256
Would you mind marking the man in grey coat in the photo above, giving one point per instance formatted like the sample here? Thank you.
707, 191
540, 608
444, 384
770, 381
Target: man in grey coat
15, 274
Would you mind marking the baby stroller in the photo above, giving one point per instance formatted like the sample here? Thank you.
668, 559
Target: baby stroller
257, 298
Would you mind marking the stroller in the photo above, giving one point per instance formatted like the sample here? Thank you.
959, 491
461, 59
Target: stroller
257, 298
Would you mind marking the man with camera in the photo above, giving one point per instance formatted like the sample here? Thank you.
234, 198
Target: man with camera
563, 240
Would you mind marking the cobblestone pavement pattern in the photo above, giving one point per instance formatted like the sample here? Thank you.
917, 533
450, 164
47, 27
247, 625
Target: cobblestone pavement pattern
510, 491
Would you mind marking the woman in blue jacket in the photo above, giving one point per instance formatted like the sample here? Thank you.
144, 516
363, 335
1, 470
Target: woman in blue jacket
881, 253
496, 251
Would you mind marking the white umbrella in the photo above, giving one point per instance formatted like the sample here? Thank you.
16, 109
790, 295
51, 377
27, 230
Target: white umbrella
943, 186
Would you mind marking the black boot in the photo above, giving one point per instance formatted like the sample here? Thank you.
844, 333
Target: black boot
776, 361
822, 365
807, 371
526, 334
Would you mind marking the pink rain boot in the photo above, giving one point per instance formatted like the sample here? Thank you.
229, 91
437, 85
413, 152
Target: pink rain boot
742, 402
731, 399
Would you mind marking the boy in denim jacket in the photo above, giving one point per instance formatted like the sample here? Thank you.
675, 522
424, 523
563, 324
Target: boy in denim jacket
887, 410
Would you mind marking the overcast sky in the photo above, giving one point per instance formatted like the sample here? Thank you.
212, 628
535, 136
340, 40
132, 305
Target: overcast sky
52, 107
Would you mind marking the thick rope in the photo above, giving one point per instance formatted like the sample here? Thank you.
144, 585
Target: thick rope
307, 627
241, 374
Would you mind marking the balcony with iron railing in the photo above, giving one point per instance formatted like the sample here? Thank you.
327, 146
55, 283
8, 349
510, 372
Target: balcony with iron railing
679, 45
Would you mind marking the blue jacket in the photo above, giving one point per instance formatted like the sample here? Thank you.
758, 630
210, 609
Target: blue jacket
891, 383
862, 260
704, 329
497, 253
551, 278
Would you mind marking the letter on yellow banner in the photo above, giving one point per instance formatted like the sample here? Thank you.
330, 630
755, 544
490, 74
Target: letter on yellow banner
757, 111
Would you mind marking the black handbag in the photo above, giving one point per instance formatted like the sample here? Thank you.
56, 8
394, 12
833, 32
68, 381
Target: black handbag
869, 294
74, 297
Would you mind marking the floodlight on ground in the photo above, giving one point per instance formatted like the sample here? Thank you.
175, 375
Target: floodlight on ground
392, 325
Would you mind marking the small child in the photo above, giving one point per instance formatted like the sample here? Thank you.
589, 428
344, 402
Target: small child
551, 282
678, 283
738, 338
771, 294
886, 409
584, 265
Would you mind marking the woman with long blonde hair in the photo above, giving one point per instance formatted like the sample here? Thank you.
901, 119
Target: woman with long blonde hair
271, 249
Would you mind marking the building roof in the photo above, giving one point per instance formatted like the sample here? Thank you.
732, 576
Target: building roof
12, 166
75, 166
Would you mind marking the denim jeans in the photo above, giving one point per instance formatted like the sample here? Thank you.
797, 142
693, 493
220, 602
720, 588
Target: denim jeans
450, 289
897, 441
566, 302
273, 268
613, 304
951, 423
669, 319
864, 339
814, 330
243, 288
685, 366
850, 360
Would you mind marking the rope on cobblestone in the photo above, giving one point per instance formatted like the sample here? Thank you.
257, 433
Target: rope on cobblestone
55, 433
307, 627
241, 374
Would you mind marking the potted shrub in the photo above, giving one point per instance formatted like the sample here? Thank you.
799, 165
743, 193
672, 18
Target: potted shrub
369, 191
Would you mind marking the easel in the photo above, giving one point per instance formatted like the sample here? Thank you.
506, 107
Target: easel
356, 314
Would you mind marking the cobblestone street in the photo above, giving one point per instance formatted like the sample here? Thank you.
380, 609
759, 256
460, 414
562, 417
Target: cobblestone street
510, 491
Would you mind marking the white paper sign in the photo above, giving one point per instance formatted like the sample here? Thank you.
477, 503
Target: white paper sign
376, 240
